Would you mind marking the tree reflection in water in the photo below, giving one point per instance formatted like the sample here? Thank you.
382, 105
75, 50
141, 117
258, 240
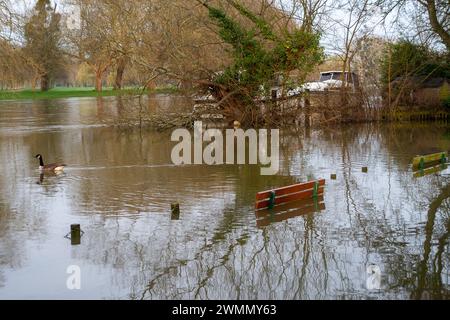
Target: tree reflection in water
119, 185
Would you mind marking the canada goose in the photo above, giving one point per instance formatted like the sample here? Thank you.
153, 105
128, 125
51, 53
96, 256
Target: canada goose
49, 167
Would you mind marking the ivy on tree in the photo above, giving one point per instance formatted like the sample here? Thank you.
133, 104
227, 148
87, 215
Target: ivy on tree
260, 54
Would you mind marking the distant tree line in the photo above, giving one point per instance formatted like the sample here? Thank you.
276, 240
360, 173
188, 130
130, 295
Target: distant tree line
234, 49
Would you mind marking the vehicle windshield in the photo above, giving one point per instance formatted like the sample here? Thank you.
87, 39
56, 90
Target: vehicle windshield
325, 76
330, 76
336, 75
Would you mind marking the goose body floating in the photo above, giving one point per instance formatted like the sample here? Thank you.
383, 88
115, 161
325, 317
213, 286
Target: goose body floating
49, 167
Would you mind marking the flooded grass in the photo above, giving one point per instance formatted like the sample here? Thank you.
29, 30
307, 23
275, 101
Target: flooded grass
75, 92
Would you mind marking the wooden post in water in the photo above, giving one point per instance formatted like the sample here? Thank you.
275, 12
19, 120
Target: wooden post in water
307, 110
333, 176
75, 234
365, 169
175, 211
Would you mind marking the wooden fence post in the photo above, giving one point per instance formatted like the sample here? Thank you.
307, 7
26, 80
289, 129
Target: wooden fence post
307, 110
75, 234
175, 211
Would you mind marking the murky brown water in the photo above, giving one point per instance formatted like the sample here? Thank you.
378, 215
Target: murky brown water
119, 186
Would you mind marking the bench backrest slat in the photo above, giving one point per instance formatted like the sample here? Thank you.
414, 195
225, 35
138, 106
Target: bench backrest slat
289, 189
290, 193
435, 157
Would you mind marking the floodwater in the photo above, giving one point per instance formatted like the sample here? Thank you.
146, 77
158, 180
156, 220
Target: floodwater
380, 234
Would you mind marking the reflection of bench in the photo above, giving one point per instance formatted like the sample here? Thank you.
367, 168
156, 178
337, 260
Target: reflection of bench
430, 170
425, 161
271, 198
289, 210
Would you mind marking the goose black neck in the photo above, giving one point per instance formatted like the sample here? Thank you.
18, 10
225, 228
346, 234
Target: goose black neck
41, 162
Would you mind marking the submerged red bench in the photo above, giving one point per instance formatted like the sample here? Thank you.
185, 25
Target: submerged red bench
270, 198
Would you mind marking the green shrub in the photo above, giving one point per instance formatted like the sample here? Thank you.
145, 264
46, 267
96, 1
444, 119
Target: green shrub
446, 103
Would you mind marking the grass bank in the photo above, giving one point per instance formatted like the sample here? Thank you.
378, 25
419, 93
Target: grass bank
73, 92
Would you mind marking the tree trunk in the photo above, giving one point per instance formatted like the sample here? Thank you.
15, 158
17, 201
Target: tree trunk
98, 80
436, 25
34, 83
45, 82
118, 83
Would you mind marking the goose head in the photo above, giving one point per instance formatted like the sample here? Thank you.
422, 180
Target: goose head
41, 162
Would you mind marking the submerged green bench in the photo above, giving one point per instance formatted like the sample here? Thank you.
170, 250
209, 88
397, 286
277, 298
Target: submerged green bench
420, 162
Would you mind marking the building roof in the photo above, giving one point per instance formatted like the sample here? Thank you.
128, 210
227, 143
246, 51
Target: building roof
336, 71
